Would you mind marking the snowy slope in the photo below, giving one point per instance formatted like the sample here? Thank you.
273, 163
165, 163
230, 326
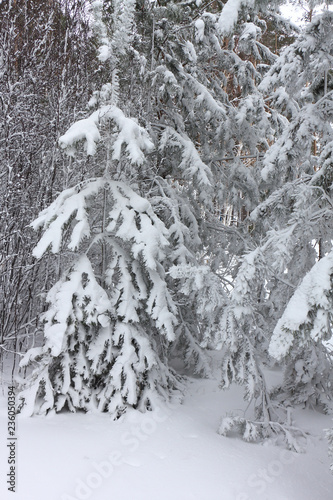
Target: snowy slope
173, 453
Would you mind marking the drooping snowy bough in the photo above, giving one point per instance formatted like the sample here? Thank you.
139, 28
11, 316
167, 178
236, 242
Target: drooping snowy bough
130, 244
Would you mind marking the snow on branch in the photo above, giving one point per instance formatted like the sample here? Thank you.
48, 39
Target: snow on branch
132, 219
124, 12
27, 397
205, 97
53, 219
130, 134
199, 30
230, 13
191, 164
135, 138
308, 309
201, 282
92, 304
100, 30
85, 130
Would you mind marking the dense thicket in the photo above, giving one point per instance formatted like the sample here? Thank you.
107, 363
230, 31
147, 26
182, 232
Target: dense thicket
46, 75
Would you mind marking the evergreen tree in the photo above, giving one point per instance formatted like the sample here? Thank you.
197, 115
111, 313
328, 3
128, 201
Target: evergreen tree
282, 292
303, 162
135, 234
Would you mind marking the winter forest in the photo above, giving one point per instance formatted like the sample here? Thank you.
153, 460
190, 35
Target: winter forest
166, 200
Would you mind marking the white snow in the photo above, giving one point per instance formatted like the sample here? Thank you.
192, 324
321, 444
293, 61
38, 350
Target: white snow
250, 32
229, 15
191, 51
171, 453
199, 30
135, 138
61, 299
80, 130
132, 135
168, 75
310, 295
54, 218
104, 53
100, 29
191, 165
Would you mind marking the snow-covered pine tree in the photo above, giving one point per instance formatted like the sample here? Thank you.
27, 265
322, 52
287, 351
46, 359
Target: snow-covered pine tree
304, 160
104, 346
286, 295
251, 130
329, 435
134, 231
226, 118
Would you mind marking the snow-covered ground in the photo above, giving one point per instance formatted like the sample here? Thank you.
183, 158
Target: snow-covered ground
173, 453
